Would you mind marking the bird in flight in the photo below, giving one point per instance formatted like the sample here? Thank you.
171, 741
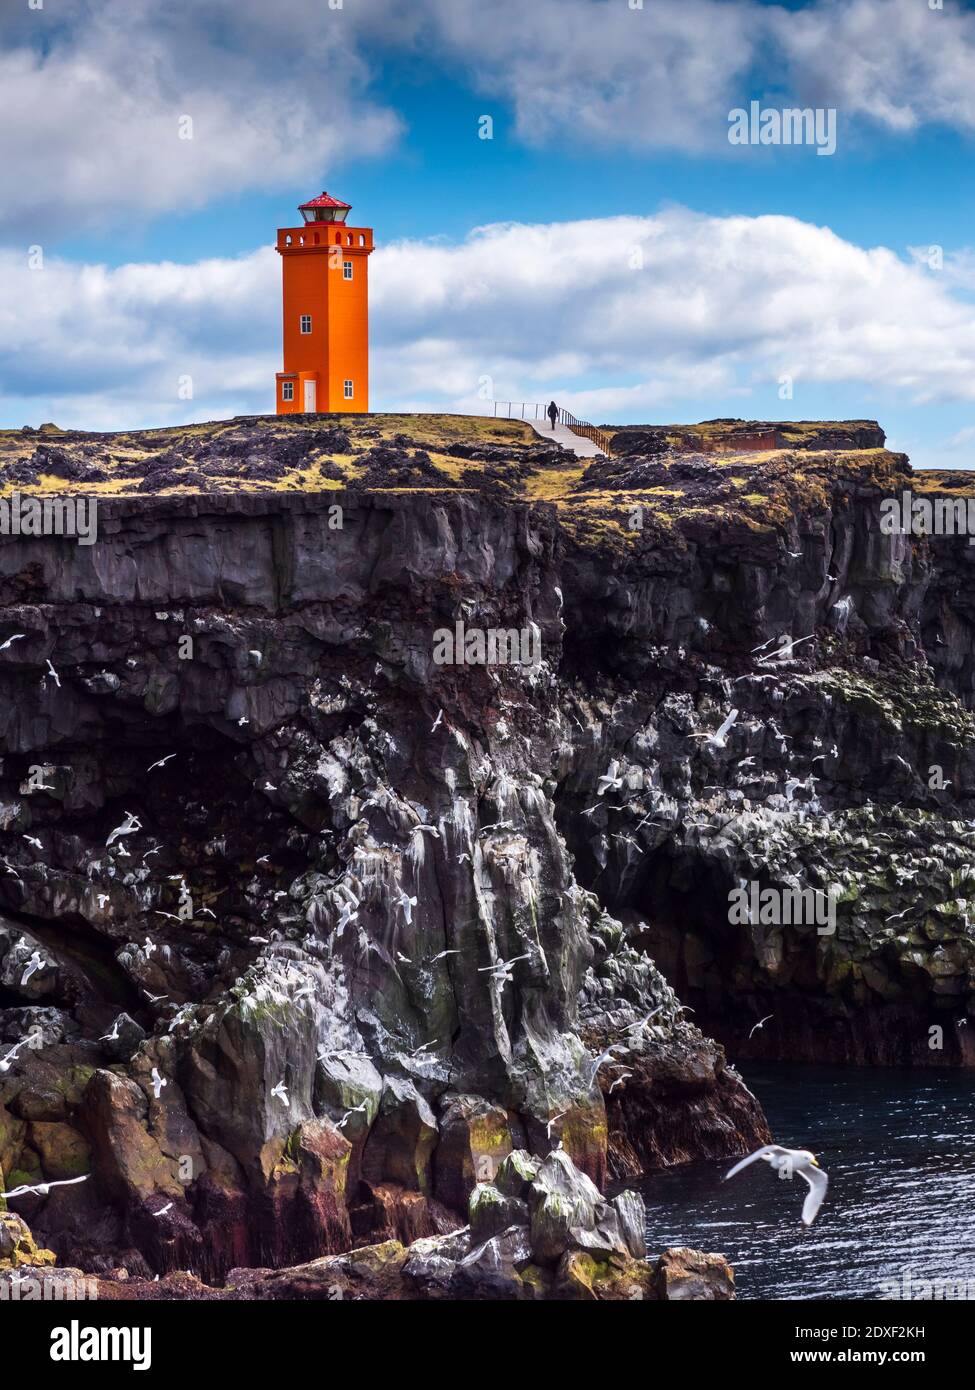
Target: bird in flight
163, 1210
407, 904
610, 778
437, 722
7, 1061
130, 823
51, 672
281, 1091
161, 763
550, 1124
17, 637
790, 1162
158, 1082
41, 1189
33, 965
761, 1023
356, 1109
605, 1057
719, 739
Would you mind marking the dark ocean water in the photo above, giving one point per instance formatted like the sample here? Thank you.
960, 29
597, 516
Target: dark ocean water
899, 1149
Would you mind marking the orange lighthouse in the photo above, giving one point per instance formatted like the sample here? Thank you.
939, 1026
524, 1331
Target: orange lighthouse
324, 265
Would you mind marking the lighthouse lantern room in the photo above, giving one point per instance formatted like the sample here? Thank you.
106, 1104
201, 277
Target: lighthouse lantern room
325, 295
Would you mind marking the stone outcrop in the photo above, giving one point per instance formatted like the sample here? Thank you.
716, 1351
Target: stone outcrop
305, 934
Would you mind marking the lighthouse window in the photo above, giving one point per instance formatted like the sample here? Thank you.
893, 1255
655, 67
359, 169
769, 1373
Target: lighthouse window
348, 388
346, 270
287, 390
306, 323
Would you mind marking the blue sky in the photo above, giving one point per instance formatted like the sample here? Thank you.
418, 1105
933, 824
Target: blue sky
610, 139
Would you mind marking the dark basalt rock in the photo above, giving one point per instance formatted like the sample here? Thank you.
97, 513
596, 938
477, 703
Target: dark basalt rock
292, 849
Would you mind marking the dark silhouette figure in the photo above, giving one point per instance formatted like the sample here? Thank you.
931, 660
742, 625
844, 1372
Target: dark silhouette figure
553, 413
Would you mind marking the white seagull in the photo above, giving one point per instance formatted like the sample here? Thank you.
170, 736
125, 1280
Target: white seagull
356, 1109
407, 904
761, 1023
130, 824
35, 963
610, 778
281, 1091
437, 722
17, 637
51, 672
41, 1189
792, 1161
8, 1060
161, 763
719, 739
158, 1082
605, 1057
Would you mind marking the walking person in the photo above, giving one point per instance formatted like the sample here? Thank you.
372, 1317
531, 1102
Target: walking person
552, 412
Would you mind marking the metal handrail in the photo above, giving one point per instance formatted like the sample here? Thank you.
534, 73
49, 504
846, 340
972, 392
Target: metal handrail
565, 417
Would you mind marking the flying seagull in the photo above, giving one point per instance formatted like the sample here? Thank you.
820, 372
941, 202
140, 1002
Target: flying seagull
761, 1023
35, 963
51, 672
554, 1121
719, 739
356, 1109
407, 904
792, 1161
610, 778
8, 1060
281, 1091
158, 1082
41, 1189
17, 637
605, 1057
437, 722
130, 823
163, 1210
161, 763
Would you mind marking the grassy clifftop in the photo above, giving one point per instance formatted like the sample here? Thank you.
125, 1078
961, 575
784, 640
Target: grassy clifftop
680, 477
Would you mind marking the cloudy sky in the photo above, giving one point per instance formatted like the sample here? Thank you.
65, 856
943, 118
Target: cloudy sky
608, 245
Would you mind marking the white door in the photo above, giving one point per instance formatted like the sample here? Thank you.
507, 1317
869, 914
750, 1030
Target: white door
309, 403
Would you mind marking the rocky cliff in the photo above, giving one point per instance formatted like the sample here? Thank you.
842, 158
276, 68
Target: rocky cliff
308, 924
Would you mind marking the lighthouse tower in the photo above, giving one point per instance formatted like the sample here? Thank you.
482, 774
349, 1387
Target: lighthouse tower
324, 266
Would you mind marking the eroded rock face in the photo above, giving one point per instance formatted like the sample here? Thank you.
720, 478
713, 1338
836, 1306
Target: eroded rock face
287, 912
303, 933
562, 1242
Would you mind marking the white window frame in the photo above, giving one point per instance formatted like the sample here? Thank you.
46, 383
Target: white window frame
346, 270
348, 388
287, 390
302, 320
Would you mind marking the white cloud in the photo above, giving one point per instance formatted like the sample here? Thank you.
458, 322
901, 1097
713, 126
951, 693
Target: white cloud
91, 91
721, 307
92, 96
